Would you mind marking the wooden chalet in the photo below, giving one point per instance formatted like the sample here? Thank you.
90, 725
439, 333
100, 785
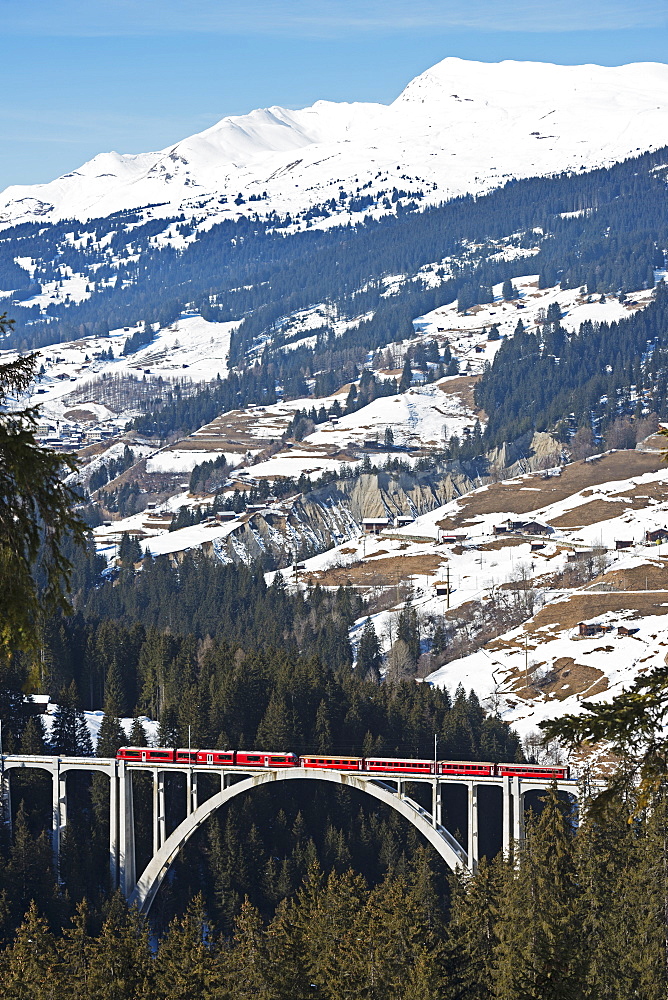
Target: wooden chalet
656, 537
536, 528
589, 629
374, 525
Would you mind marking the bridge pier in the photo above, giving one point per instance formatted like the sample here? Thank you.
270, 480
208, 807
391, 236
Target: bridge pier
506, 818
59, 810
159, 810
113, 826
6, 799
127, 864
472, 826
192, 800
436, 804
518, 812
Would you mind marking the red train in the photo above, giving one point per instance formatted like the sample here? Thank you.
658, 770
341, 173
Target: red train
340, 762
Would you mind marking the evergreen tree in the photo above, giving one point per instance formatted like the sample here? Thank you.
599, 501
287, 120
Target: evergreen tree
244, 969
129, 550
406, 375
33, 740
369, 656
120, 955
540, 952
111, 735
472, 933
408, 630
286, 973
29, 874
75, 956
28, 971
64, 729
183, 968
137, 736
508, 291
34, 570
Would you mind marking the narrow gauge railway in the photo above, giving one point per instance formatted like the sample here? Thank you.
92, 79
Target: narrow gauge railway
385, 765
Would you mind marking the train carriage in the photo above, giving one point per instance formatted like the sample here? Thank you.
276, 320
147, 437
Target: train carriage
467, 768
217, 758
339, 762
147, 755
549, 772
335, 763
265, 758
399, 765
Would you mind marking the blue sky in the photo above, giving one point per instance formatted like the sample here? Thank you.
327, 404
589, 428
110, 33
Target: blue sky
78, 77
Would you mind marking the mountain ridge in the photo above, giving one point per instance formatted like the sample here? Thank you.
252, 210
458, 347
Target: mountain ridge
459, 127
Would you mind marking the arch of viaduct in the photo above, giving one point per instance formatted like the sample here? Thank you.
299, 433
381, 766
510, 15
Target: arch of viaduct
387, 788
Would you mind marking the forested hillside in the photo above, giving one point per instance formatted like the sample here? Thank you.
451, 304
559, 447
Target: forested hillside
605, 229
546, 378
574, 915
221, 660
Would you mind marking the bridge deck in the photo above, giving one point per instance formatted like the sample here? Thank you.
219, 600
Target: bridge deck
108, 764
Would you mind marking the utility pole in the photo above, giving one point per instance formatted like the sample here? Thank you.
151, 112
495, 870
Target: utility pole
447, 587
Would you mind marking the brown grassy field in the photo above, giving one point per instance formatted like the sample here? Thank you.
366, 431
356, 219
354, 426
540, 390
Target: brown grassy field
648, 576
462, 386
565, 678
585, 604
515, 498
376, 572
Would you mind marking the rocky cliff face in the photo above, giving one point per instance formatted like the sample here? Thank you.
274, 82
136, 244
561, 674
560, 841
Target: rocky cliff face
320, 520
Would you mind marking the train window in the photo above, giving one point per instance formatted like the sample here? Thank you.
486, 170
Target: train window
253, 759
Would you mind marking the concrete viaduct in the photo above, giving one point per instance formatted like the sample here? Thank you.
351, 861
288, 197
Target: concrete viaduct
389, 788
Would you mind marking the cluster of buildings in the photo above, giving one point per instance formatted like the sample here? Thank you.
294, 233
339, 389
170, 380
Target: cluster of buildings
68, 435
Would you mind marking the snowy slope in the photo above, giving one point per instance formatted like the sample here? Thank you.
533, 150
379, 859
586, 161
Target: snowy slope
542, 668
461, 126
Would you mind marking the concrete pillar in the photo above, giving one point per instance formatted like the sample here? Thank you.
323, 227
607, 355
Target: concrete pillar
155, 810
159, 814
62, 803
113, 825
400, 788
473, 826
191, 792
55, 813
127, 870
6, 799
506, 818
439, 803
518, 811
162, 809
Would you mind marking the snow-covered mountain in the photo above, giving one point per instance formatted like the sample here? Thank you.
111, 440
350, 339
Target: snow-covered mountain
459, 127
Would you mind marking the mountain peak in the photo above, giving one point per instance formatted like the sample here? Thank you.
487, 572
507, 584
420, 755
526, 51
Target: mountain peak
459, 127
